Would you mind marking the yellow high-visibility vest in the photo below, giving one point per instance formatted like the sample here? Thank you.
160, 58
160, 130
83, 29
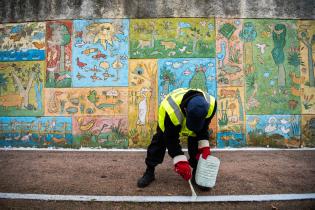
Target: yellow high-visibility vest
171, 106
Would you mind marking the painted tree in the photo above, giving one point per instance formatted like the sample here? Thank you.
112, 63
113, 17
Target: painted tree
196, 35
240, 105
168, 78
3, 83
60, 36
199, 79
248, 34
38, 85
153, 31
308, 40
151, 71
23, 80
278, 36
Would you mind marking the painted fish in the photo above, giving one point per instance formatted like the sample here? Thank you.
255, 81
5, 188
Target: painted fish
89, 51
79, 44
227, 138
105, 105
39, 45
94, 69
106, 75
99, 55
187, 72
74, 101
72, 110
79, 34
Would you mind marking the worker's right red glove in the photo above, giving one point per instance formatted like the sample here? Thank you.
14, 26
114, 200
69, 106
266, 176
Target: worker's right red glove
182, 167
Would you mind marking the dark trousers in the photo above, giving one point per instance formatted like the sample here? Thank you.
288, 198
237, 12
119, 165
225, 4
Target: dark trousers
157, 148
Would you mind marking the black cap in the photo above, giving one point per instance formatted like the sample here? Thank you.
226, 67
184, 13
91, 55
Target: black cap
197, 110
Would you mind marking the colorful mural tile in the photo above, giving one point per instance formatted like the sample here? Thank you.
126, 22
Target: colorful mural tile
268, 66
187, 73
308, 100
86, 101
213, 129
100, 131
21, 88
229, 49
172, 38
308, 131
304, 58
100, 52
22, 41
230, 117
59, 53
35, 132
273, 130
143, 102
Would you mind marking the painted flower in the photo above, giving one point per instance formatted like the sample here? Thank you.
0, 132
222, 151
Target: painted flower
266, 74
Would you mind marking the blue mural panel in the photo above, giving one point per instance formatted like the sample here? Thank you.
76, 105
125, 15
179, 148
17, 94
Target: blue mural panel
100, 52
273, 130
22, 42
230, 139
186, 72
35, 132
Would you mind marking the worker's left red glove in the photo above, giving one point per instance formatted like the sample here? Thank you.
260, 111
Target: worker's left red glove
203, 149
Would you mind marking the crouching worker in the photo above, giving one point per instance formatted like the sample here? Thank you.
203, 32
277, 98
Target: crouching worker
183, 112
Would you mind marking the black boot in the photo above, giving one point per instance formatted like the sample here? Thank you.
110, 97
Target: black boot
147, 178
202, 188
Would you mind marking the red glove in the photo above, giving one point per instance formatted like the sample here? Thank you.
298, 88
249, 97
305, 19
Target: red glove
183, 169
203, 149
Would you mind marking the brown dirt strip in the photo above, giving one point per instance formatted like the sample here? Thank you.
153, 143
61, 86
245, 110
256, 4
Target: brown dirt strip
116, 173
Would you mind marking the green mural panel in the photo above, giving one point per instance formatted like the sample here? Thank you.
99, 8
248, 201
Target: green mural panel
269, 64
308, 131
172, 38
229, 52
21, 90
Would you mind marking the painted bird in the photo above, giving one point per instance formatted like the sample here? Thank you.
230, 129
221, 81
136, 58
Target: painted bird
80, 64
62, 77
221, 55
80, 76
261, 47
94, 77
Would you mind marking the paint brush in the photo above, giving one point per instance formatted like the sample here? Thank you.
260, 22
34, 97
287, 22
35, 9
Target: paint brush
193, 193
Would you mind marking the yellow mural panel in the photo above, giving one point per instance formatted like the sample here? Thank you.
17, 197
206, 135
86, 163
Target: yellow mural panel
306, 33
142, 101
86, 101
308, 131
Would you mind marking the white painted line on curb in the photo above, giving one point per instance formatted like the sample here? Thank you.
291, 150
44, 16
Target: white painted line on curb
84, 149
218, 198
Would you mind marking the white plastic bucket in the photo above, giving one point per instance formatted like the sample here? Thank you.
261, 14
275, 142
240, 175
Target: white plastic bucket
207, 171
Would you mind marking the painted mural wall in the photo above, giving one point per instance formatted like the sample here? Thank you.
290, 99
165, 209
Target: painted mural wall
98, 82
